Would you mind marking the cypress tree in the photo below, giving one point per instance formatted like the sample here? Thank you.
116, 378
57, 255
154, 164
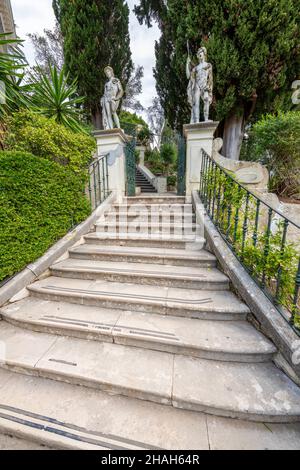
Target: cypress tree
96, 34
254, 47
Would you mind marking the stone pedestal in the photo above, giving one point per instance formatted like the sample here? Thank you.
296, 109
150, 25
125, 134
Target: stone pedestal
141, 149
198, 136
113, 142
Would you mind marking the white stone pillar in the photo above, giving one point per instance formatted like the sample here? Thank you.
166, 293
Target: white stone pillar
113, 142
198, 136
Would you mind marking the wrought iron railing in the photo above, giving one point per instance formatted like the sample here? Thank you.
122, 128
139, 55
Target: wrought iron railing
98, 181
264, 240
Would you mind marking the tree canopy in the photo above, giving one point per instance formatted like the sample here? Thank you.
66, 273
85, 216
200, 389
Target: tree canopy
96, 34
254, 49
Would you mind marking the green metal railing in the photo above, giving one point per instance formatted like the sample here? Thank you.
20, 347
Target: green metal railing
131, 131
264, 240
98, 181
181, 171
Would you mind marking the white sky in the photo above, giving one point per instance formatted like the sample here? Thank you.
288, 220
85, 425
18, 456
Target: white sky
33, 16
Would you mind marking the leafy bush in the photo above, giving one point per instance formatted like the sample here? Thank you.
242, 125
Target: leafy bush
152, 156
168, 153
172, 181
39, 202
43, 137
275, 141
259, 246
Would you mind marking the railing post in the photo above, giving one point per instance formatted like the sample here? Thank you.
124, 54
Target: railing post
113, 142
198, 136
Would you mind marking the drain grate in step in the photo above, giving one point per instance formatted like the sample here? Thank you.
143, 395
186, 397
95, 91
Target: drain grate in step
115, 329
61, 361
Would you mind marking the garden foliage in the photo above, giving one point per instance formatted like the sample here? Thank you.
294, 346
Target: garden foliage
39, 202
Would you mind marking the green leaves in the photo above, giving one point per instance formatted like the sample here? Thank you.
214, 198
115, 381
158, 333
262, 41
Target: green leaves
275, 141
253, 46
56, 97
96, 34
45, 138
12, 64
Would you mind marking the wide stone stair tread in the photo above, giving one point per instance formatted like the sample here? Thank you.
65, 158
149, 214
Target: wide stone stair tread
236, 390
221, 305
186, 276
161, 207
234, 341
258, 392
155, 255
63, 416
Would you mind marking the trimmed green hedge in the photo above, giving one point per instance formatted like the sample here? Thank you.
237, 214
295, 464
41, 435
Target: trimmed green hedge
39, 202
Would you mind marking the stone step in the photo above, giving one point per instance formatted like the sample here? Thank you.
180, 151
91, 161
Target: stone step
146, 240
154, 199
137, 226
224, 341
256, 392
62, 416
149, 216
188, 303
150, 274
170, 208
157, 256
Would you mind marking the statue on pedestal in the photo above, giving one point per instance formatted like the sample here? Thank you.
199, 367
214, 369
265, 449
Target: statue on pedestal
113, 93
200, 85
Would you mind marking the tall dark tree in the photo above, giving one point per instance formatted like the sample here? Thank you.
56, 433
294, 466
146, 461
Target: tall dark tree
254, 47
96, 34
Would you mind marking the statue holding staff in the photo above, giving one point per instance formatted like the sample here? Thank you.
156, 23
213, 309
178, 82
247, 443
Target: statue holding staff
113, 93
200, 85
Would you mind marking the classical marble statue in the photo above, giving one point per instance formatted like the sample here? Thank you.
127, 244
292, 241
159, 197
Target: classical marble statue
110, 101
200, 85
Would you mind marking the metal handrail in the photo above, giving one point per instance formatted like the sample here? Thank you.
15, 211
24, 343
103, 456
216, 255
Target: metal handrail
257, 234
98, 181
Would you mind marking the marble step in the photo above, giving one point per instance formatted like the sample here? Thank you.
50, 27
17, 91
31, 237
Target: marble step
154, 199
256, 392
149, 274
62, 416
188, 303
157, 256
152, 240
169, 208
141, 227
224, 341
152, 217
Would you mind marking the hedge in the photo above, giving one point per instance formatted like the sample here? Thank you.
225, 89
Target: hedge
39, 202
43, 137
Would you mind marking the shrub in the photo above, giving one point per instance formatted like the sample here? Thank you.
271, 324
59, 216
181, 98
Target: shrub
39, 203
152, 156
168, 154
43, 137
172, 181
275, 141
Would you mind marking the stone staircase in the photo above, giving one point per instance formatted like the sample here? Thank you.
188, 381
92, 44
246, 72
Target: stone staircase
143, 183
140, 319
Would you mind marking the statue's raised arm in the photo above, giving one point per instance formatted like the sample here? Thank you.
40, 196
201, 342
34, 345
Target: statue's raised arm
189, 68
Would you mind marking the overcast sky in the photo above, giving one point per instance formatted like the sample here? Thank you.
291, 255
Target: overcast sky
33, 16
